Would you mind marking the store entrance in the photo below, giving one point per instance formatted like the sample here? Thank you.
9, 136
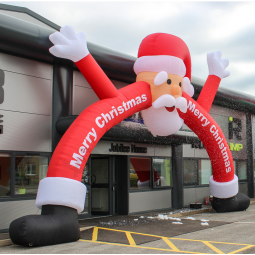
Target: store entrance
99, 176
100, 187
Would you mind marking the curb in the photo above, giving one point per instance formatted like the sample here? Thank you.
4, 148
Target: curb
5, 242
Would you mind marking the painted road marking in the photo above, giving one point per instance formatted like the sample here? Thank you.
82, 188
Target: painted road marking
95, 234
140, 247
168, 241
171, 245
130, 238
213, 247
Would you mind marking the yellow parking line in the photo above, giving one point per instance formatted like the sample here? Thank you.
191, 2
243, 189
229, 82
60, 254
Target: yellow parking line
130, 238
140, 247
95, 234
242, 249
171, 245
137, 233
213, 247
193, 240
166, 240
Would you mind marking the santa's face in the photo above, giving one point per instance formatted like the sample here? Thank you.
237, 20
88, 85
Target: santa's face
162, 118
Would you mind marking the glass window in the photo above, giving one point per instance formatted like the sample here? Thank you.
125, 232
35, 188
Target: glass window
205, 170
140, 173
234, 162
5, 174
29, 170
242, 170
190, 168
162, 172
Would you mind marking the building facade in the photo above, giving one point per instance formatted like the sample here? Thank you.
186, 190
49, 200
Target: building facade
40, 96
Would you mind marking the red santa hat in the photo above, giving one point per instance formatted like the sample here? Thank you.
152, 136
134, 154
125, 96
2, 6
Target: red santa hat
163, 52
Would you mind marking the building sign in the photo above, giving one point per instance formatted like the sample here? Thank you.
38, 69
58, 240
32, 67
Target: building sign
234, 130
1, 98
132, 148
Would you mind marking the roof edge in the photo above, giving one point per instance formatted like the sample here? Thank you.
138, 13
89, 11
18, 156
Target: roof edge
7, 7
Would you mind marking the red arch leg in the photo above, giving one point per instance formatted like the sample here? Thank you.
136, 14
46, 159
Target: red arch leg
63, 183
224, 183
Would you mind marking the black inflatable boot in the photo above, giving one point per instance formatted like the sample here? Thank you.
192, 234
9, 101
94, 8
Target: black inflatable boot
56, 224
239, 202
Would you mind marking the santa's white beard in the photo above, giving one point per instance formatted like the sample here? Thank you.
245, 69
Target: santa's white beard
161, 122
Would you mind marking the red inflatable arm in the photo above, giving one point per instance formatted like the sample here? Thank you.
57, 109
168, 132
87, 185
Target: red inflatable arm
96, 77
208, 92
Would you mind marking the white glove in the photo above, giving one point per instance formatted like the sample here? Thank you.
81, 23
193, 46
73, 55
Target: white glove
217, 65
187, 87
68, 44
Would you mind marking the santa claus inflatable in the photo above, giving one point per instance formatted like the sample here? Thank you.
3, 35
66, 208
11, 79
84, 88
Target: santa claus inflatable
162, 92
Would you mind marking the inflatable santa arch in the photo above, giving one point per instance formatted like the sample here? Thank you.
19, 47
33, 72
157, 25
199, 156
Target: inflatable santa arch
162, 92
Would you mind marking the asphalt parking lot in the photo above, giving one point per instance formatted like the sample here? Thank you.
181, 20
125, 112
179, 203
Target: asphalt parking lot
210, 232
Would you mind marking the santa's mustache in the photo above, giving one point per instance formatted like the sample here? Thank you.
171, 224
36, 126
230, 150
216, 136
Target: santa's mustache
169, 101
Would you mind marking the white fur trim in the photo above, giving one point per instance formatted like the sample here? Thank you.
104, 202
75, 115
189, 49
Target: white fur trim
169, 64
61, 191
224, 189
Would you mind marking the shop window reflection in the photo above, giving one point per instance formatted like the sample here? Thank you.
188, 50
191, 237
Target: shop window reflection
5, 174
29, 170
242, 170
162, 172
190, 171
85, 180
198, 171
205, 171
140, 173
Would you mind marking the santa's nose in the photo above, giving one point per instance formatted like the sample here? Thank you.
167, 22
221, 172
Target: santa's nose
176, 91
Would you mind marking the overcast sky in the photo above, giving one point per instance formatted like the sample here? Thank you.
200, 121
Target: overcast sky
204, 26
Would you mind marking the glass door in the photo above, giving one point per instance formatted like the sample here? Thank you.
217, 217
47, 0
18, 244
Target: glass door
100, 202
87, 180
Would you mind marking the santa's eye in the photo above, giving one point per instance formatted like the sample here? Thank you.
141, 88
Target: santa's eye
168, 81
180, 84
